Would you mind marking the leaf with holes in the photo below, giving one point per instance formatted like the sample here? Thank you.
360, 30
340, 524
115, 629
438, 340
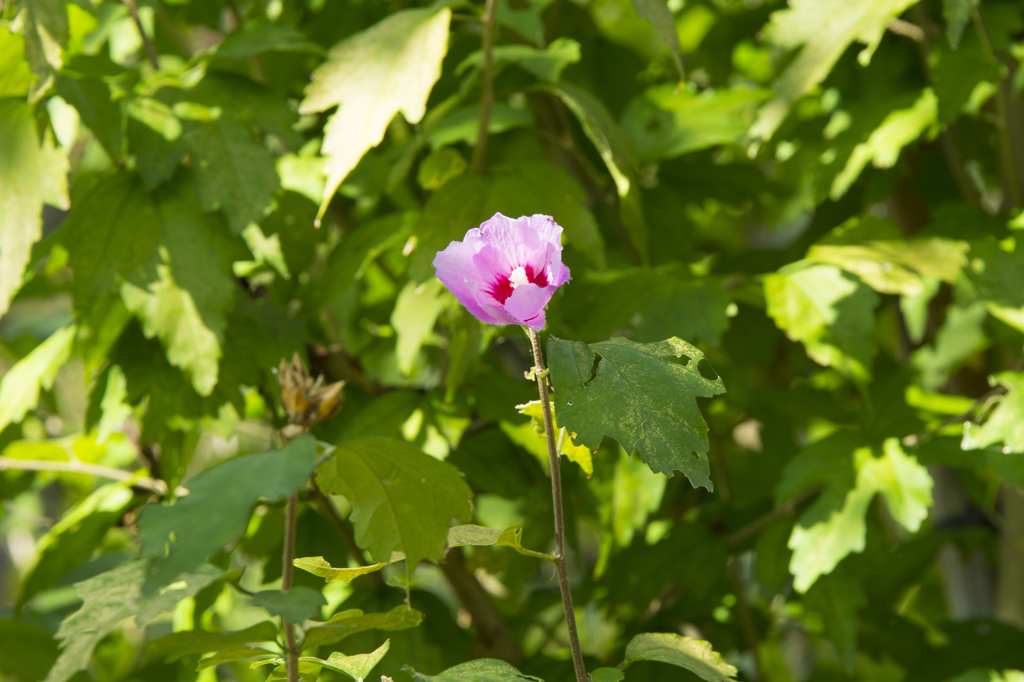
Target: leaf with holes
642, 395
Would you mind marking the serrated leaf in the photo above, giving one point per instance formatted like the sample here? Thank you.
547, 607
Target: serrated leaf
32, 172
883, 146
111, 231
667, 121
402, 499
233, 172
660, 16
295, 605
237, 653
319, 567
389, 68
694, 655
108, 599
346, 623
217, 507
44, 24
71, 541
1006, 423
642, 395
834, 526
21, 384
822, 29
829, 312
183, 293
174, 646
481, 670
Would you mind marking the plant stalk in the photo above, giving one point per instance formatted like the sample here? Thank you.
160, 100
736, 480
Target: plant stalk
487, 88
287, 568
133, 9
556, 499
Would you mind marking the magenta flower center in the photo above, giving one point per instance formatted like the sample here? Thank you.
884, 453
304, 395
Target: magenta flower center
503, 287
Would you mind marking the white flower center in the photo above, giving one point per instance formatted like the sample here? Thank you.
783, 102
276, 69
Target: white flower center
518, 278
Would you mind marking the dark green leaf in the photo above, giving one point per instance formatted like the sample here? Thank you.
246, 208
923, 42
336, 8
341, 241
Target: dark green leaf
174, 646
346, 623
295, 605
642, 395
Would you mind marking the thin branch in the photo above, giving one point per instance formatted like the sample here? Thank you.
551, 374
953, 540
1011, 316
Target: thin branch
487, 87
133, 9
287, 569
556, 499
787, 508
907, 29
75, 467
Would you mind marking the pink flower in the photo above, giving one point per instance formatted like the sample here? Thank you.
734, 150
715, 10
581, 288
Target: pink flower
505, 271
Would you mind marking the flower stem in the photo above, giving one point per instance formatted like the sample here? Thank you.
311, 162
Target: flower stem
288, 556
487, 87
556, 499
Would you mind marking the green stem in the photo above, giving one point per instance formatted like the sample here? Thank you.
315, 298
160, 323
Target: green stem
556, 499
487, 87
287, 568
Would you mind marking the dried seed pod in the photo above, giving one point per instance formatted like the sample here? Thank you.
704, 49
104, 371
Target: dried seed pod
307, 402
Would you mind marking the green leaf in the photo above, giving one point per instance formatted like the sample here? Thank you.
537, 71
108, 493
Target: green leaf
44, 24
463, 124
352, 621
897, 267
416, 311
233, 172
183, 293
174, 646
108, 599
667, 121
481, 670
546, 64
403, 54
838, 597
829, 312
244, 45
660, 16
607, 675
998, 277
21, 384
402, 499
642, 395
237, 653
822, 29
349, 261
526, 188
179, 536
15, 75
617, 152
154, 137
1006, 423
111, 231
31, 173
295, 605
71, 541
319, 567
882, 148
28, 652
834, 526
439, 167
962, 335
957, 14
91, 97
694, 655
480, 536
358, 666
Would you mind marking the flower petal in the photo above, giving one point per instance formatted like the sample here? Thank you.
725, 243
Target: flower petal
457, 271
527, 303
